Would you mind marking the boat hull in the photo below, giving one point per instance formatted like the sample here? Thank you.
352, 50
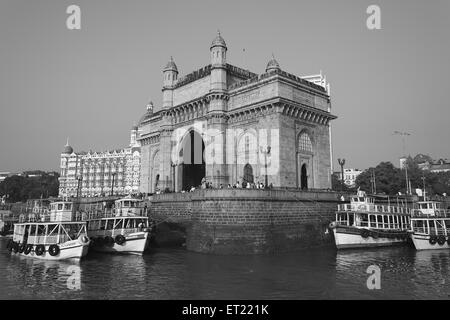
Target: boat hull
351, 237
135, 243
71, 250
422, 242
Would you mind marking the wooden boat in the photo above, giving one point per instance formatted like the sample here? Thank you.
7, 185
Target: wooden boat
51, 236
430, 226
125, 230
363, 224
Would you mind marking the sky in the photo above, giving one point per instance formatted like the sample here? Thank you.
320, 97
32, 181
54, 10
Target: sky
91, 85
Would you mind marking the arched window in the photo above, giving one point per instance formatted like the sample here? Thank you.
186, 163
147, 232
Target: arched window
248, 173
304, 143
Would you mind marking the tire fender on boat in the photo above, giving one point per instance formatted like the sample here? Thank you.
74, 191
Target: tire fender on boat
441, 240
22, 247
28, 249
365, 233
15, 247
39, 250
120, 239
433, 239
332, 225
54, 250
83, 239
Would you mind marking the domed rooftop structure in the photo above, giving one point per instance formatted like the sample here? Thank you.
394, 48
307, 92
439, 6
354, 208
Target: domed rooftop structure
67, 149
272, 65
218, 41
171, 66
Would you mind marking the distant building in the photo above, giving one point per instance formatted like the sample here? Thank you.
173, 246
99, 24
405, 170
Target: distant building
441, 165
403, 162
97, 170
4, 175
350, 176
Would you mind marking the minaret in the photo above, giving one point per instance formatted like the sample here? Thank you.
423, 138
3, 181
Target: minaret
64, 166
218, 64
170, 73
272, 65
134, 136
218, 97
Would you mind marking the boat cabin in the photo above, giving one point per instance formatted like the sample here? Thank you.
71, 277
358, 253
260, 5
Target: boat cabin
428, 208
48, 232
364, 213
61, 211
128, 207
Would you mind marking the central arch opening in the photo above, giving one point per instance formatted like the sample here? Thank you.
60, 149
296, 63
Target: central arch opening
248, 174
304, 177
193, 166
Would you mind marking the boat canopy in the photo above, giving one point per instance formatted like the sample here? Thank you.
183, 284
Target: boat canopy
362, 198
428, 208
61, 211
128, 203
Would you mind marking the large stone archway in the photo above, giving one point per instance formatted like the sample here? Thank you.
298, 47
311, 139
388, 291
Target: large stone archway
192, 168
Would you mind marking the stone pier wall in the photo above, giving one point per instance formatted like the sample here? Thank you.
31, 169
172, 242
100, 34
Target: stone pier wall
241, 221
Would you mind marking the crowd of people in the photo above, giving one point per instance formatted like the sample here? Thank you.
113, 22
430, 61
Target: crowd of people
238, 185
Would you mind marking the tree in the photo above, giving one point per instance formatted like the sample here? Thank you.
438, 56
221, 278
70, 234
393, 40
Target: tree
21, 188
387, 179
391, 180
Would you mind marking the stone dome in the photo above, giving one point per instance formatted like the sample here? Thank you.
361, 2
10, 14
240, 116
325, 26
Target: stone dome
273, 65
218, 41
67, 149
171, 66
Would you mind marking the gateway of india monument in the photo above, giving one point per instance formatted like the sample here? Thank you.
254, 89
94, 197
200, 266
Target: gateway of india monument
223, 124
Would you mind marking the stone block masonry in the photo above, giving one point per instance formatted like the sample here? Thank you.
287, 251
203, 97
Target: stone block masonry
249, 221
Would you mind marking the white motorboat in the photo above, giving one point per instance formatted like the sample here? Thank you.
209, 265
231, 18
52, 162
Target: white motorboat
362, 223
124, 230
50, 236
430, 226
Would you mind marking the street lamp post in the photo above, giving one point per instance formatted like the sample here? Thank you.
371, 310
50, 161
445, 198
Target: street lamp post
266, 152
341, 163
173, 165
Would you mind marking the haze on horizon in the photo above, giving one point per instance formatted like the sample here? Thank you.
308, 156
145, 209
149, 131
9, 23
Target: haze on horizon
93, 84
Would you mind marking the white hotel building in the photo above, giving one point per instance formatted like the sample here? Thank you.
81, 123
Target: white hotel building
94, 172
350, 176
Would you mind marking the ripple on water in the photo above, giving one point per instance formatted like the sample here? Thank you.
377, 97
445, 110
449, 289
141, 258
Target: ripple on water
178, 274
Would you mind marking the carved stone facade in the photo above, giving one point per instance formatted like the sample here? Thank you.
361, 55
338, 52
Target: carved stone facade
225, 124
